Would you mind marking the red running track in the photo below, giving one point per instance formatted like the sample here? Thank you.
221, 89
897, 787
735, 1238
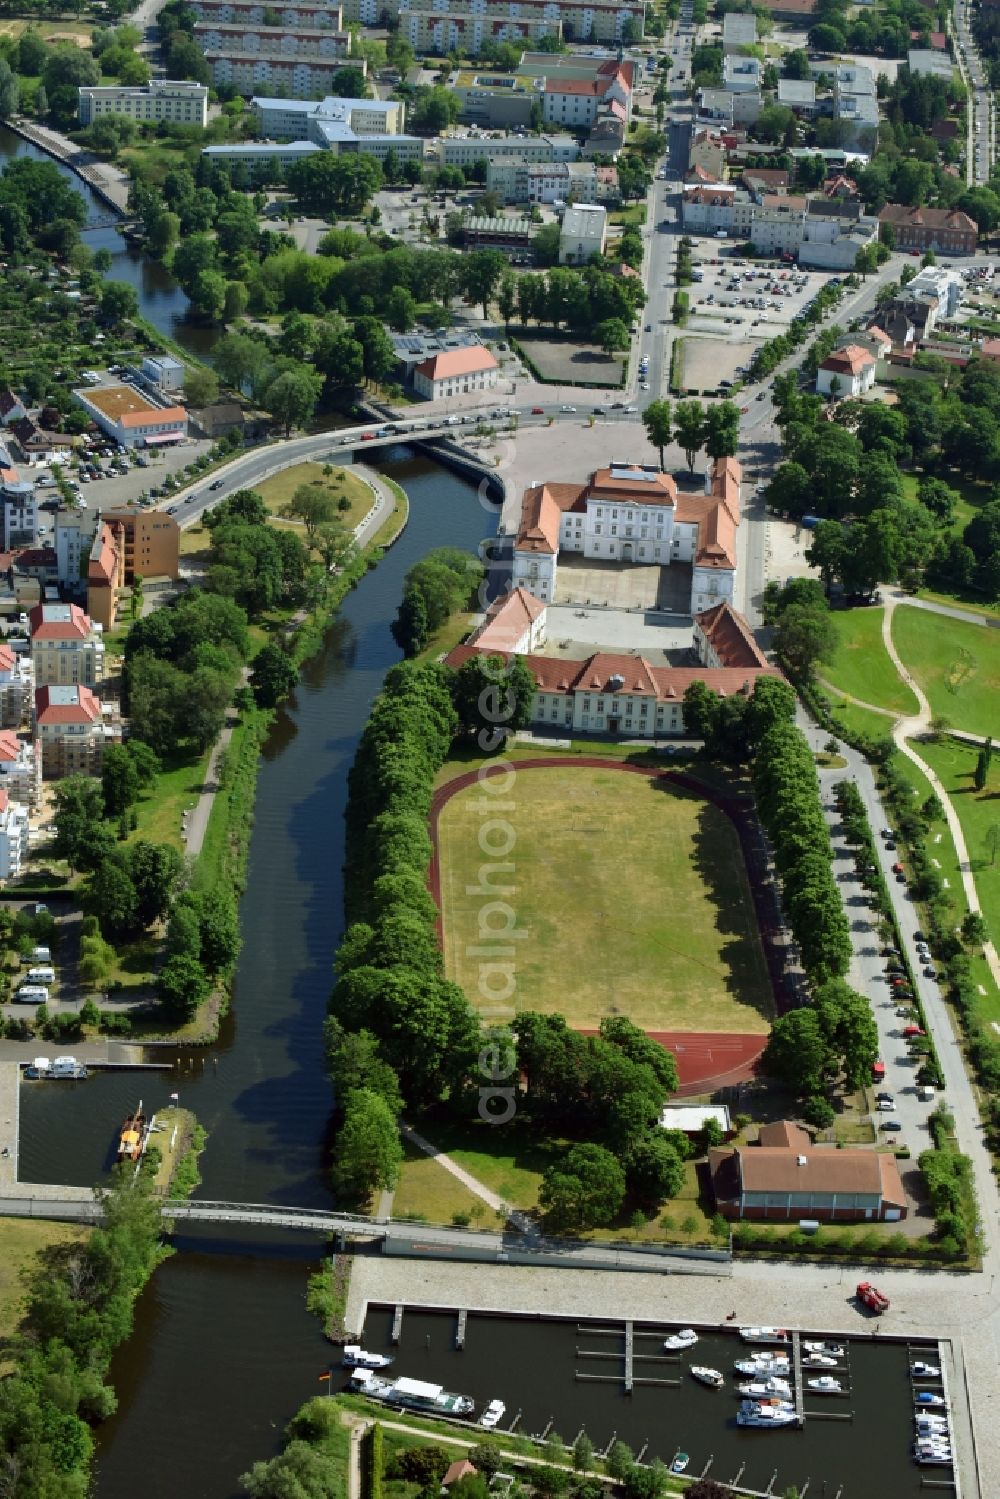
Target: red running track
706, 1060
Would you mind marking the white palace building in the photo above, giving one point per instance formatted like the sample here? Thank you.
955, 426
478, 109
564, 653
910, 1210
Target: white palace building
633, 514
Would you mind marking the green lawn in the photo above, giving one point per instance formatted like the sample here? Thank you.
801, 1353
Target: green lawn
633, 898
861, 720
973, 496
22, 1240
956, 664
427, 1191
988, 611
177, 790
277, 491
862, 667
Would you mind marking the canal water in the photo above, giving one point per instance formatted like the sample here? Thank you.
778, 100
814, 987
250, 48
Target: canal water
224, 1351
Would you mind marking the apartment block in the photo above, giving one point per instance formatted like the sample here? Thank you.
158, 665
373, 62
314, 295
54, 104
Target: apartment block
303, 119
583, 233
67, 647
239, 38
20, 768
300, 77
17, 680
13, 837
553, 182
160, 99
466, 150
441, 31
72, 731
604, 21
251, 12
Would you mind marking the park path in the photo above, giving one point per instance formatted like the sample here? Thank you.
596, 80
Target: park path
902, 730
856, 702
471, 1183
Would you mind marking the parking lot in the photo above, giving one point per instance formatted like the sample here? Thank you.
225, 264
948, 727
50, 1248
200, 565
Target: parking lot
737, 297
122, 477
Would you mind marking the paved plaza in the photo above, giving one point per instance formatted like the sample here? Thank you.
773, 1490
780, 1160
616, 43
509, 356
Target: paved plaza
574, 634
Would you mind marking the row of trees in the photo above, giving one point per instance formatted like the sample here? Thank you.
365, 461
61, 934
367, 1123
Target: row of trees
441, 583
694, 427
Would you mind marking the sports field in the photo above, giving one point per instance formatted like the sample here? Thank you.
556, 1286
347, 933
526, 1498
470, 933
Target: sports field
632, 895
957, 665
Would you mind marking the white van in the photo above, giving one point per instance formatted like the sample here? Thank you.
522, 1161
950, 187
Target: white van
31, 994
43, 975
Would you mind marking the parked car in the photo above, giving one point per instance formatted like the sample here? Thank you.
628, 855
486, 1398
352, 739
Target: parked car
913, 1030
892, 1125
538, 411
887, 1105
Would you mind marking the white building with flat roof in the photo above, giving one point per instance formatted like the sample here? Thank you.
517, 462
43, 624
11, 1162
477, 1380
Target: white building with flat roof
583, 232
161, 99
13, 837
466, 150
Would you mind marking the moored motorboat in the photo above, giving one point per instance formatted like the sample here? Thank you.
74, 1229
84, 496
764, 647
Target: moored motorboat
825, 1384
680, 1462
835, 1350
927, 1397
819, 1361
764, 1334
413, 1394
763, 1363
713, 1378
766, 1413
493, 1414
763, 1389
356, 1357
924, 1371
133, 1136
685, 1337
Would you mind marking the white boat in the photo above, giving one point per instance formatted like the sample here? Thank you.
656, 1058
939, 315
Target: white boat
412, 1394
763, 1363
926, 1397
819, 1361
763, 1335
942, 1459
712, 1377
493, 1414
766, 1413
679, 1463
67, 1067
835, 1350
686, 1337
825, 1385
919, 1368
356, 1357
763, 1389
930, 1426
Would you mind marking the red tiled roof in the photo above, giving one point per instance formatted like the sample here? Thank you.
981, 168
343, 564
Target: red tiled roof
469, 361
8, 659
848, 361
77, 627
573, 86
86, 709
664, 683
10, 745
541, 508
507, 620
730, 636
929, 218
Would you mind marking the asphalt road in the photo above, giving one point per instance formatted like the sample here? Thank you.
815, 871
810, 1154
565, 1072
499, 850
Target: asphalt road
982, 133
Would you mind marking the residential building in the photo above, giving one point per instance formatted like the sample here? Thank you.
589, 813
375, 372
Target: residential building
616, 694
946, 231
12, 408
456, 372
13, 837
18, 511
833, 232
441, 30
947, 286
20, 768
162, 372
169, 99
583, 233
514, 624
785, 1176
707, 210
552, 182
301, 77
292, 12
582, 20
577, 90
741, 75
929, 63
74, 532
716, 105
846, 372
67, 647
606, 139
39, 444
466, 150
739, 30
150, 542
708, 152
303, 119
760, 181
17, 680
779, 223
71, 728
105, 572
266, 160
798, 94
240, 39
131, 418
628, 514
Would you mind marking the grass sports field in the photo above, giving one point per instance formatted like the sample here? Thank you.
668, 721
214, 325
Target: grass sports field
862, 667
957, 665
633, 895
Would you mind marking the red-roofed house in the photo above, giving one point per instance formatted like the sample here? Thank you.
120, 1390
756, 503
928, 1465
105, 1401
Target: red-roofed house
12, 408
459, 1469
66, 646
723, 638
853, 369
947, 231
514, 624
72, 731
786, 1176
20, 768
456, 372
631, 513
